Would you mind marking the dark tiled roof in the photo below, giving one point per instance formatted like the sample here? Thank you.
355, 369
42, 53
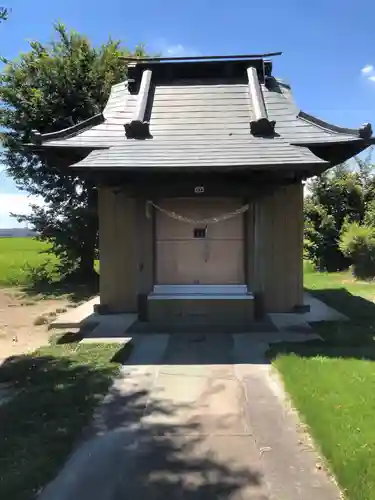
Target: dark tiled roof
195, 123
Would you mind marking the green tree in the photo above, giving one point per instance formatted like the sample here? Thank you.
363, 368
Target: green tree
51, 87
3, 14
338, 196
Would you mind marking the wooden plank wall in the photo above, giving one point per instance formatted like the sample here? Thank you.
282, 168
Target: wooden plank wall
118, 251
279, 248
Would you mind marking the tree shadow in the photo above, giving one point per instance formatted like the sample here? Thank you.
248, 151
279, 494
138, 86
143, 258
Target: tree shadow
143, 446
53, 399
195, 348
345, 339
353, 306
139, 445
76, 291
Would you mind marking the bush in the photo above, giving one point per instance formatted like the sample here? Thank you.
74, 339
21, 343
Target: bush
358, 243
321, 240
334, 197
44, 273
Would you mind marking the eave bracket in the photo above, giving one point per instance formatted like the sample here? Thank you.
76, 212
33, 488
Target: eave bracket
137, 130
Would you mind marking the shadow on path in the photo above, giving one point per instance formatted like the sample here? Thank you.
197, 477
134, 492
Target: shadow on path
136, 453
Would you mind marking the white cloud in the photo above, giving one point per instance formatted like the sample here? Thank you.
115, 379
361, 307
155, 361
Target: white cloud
16, 203
369, 68
180, 51
167, 49
368, 72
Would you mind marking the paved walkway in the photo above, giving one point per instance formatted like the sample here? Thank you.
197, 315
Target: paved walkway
195, 417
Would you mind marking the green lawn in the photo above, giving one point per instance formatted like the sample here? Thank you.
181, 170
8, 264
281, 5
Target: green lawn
26, 262
332, 382
17, 255
59, 387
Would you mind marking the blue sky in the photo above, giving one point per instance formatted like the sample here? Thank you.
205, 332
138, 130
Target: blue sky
328, 46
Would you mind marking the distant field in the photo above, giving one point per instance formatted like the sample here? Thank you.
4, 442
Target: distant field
16, 255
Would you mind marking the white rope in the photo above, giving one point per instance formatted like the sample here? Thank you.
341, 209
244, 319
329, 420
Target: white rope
200, 222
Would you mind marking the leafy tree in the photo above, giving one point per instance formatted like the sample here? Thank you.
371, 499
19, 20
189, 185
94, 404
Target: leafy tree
51, 87
3, 14
336, 197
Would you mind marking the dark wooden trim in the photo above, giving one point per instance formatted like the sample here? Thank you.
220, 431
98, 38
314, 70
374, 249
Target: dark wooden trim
154, 246
142, 306
301, 308
168, 72
169, 187
199, 58
271, 171
259, 306
245, 224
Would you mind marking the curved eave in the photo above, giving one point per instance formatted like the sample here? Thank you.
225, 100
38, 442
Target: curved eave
341, 143
340, 152
39, 139
365, 132
337, 152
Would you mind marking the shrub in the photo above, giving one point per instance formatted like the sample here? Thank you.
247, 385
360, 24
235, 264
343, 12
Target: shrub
358, 243
331, 199
44, 273
321, 240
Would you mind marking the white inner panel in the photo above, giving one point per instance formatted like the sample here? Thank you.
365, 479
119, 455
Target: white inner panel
200, 289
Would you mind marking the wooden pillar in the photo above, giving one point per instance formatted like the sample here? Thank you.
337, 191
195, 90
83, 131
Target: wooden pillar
118, 251
250, 246
278, 260
145, 252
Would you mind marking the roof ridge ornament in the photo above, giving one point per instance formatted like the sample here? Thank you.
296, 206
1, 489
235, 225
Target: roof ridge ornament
365, 132
261, 125
138, 128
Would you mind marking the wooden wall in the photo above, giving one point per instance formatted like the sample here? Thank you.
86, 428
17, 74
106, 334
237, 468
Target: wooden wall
278, 248
118, 251
274, 249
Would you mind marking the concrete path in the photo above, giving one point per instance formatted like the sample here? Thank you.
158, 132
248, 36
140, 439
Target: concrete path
195, 417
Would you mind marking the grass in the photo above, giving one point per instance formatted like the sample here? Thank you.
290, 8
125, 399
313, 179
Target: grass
336, 398
332, 382
18, 255
57, 389
26, 262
